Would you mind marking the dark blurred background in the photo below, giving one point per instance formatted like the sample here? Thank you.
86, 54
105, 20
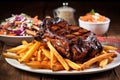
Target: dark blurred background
109, 8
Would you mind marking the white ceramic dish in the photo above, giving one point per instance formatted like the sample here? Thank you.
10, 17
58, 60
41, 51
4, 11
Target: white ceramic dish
98, 28
14, 40
111, 65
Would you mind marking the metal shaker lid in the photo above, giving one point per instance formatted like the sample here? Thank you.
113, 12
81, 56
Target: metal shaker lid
65, 7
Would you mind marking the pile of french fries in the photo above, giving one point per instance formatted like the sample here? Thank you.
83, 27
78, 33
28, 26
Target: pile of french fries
44, 56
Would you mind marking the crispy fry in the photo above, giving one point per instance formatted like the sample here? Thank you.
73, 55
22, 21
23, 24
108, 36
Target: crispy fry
109, 58
103, 63
35, 53
88, 63
104, 52
58, 56
72, 64
45, 58
39, 57
10, 56
33, 59
37, 64
109, 48
24, 49
24, 42
15, 49
57, 67
30, 52
46, 53
53, 60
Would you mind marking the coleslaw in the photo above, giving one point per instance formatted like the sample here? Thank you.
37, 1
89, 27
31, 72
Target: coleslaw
17, 24
93, 16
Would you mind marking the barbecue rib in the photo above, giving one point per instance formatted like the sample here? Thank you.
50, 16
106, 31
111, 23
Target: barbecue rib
70, 41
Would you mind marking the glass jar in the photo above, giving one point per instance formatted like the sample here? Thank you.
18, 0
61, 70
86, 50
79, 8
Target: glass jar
65, 12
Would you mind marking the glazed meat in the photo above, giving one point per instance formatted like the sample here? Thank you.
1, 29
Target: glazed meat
70, 41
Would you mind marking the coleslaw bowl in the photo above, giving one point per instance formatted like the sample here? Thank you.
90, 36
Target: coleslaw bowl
99, 28
15, 40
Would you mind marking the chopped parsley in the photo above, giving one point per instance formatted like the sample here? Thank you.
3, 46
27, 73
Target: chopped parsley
13, 27
92, 11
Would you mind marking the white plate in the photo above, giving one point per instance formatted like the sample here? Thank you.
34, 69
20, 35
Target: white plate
112, 65
14, 40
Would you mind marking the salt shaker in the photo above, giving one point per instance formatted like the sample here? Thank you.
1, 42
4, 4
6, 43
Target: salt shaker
65, 12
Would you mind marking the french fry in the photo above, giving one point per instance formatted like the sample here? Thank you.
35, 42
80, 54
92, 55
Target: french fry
33, 59
10, 56
35, 53
72, 64
53, 60
30, 52
39, 57
57, 67
58, 56
45, 58
46, 53
37, 64
104, 52
18, 48
24, 49
88, 63
106, 47
21, 54
15, 49
103, 63
109, 58
24, 42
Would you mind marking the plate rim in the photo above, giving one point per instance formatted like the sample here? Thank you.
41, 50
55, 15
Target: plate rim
14, 36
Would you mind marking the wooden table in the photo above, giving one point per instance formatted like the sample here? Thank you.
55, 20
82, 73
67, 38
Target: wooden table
8, 72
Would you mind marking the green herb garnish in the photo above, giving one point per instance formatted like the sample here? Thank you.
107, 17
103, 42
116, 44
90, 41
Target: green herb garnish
30, 22
13, 27
92, 11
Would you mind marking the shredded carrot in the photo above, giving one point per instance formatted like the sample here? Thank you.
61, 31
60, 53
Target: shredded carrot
11, 34
2, 31
93, 18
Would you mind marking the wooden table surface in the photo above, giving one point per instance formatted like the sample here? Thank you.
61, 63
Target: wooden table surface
8, 72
